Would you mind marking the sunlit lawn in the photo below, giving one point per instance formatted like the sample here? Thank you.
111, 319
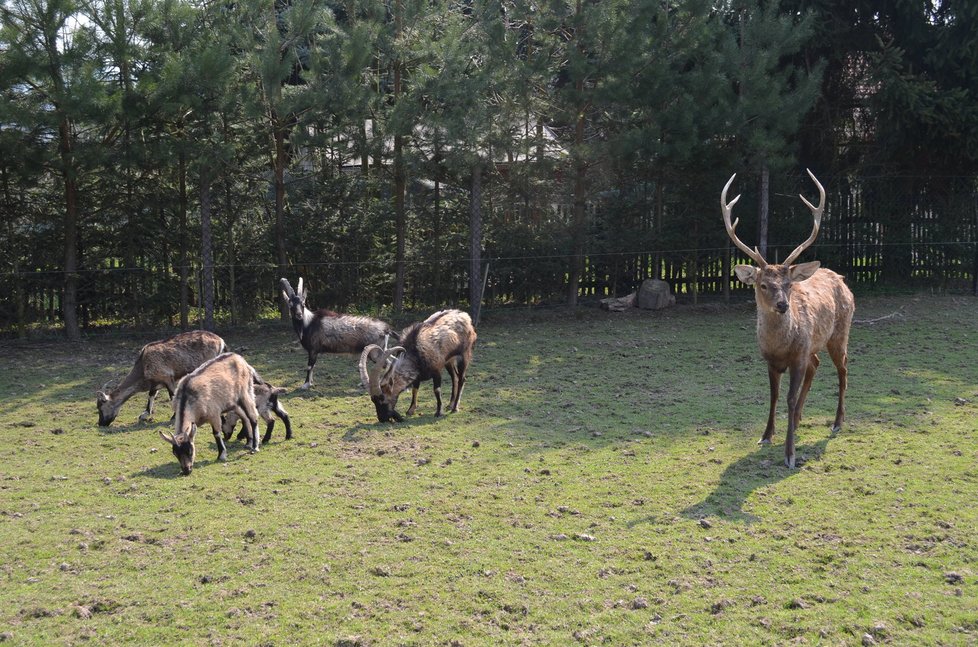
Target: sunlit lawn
601, 485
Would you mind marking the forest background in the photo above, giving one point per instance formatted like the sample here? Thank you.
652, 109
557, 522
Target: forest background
163, 163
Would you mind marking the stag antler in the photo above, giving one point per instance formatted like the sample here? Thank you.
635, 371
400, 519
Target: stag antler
726, 209
816, 213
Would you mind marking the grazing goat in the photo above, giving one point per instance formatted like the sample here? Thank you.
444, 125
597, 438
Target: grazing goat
159, 364
266, 401
219, 386
325, 331
443, 340
801, 311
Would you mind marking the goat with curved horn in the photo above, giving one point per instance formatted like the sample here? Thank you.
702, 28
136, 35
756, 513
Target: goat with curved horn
801, 310
443, 341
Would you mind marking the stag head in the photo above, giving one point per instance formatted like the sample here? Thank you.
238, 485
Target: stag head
772, 283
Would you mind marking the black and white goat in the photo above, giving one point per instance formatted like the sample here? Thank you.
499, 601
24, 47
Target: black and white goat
442, 341
219, 386
160, 364
267, 403
324, 331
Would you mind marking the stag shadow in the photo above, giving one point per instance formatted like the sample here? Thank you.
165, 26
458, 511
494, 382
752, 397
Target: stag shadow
741, 478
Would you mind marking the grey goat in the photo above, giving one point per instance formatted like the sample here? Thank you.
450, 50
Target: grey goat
325, 331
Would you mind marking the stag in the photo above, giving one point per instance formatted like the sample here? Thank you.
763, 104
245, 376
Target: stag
801, 310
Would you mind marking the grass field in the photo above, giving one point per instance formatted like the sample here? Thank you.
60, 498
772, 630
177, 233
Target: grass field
601, 485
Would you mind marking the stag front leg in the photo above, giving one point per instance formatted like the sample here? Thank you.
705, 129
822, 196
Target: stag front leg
774, 378
813, 363
309, 366
796, 378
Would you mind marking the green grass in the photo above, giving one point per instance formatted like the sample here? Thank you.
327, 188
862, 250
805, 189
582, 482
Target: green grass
601, 485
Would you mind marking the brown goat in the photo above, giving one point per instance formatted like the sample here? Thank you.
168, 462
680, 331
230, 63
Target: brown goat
801, 311
218, 386
442, 341
159, 364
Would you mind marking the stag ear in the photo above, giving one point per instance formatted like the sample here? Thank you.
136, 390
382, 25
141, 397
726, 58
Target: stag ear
803, 271
746, 273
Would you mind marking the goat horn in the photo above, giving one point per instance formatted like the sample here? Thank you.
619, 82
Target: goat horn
367, 376
167, 438
288, 288
299, 289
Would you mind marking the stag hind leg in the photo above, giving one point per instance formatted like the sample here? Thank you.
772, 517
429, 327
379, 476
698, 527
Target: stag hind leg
841, 360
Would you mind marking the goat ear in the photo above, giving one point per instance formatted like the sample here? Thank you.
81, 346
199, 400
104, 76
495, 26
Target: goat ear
168, 438
803, 271
746, 273
193, 432
299, 290
101, 397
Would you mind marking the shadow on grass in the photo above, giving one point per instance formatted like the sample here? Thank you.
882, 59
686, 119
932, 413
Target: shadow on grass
756, 470
135, 425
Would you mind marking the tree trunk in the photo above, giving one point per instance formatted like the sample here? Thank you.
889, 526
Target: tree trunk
400, 218
578, 214
183, 235
70, 303
475, 241
281, 159
763, 203
206, 248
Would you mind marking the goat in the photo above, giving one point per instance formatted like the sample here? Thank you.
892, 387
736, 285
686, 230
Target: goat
218, 386
325, 331
443, 340
801, 310
266, 401
159, 364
